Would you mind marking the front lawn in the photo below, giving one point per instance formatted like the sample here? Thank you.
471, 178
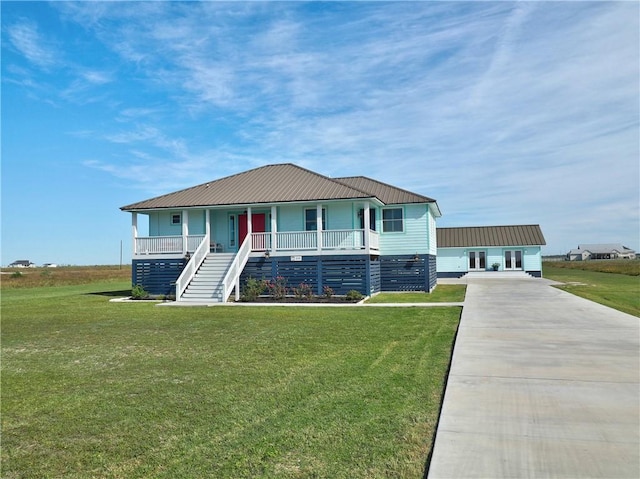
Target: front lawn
617, 290
125, 390
444, 293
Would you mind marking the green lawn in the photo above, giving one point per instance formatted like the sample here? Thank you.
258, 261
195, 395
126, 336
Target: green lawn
444, 293
619, 291
125, 390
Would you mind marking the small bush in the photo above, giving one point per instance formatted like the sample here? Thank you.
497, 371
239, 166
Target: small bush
138, 292
277, 287
328, 291
253, 288
354, 295
16, 274
303, 291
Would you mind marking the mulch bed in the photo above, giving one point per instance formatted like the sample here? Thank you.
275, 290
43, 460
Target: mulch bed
315, 299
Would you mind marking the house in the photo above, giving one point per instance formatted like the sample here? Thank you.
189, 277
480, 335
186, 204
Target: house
22, 263
473, 249
282, 220
600, 251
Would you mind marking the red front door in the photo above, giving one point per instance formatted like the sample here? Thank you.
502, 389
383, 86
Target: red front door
258, 225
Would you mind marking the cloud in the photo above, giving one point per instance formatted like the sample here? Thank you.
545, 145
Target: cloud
503, 111
26, 38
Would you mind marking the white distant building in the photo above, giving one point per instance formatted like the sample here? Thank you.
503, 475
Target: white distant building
22, 263
600, 251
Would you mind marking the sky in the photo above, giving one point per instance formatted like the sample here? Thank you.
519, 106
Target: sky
504, 112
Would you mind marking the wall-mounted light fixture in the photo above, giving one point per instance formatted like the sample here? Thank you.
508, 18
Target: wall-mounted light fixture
416, 258
267, 254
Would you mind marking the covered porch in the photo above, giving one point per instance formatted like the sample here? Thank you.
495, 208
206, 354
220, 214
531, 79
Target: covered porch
261, 231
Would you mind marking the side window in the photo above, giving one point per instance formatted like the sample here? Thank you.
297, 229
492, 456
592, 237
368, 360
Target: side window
310, 219
232, 231
392, 220
176, 219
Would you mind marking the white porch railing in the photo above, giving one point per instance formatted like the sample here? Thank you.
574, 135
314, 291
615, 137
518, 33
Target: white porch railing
192, 266
232, 278
308, 240
167, 244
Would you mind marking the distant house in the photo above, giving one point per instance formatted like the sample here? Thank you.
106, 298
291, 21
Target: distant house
282, 220
586, 252
473, 249
22, 263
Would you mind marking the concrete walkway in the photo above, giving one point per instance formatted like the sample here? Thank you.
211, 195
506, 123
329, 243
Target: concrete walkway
542, 384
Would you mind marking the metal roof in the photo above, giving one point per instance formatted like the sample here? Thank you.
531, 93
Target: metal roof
603, 248
469, 237
389, 195
278, 183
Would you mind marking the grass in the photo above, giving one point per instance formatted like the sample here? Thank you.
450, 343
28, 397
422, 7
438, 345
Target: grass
128, 390
13, 278
619, 288
444, 293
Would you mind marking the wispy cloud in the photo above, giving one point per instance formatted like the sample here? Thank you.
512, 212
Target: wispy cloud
504, 111
26, 38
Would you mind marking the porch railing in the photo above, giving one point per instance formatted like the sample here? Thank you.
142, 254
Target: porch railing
308, 240
167, 244
232, 278
192, 266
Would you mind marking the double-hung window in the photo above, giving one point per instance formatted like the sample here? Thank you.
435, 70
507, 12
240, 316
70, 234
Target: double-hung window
392, 220
310, 219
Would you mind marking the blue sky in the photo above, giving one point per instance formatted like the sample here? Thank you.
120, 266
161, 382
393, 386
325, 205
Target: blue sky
505, 112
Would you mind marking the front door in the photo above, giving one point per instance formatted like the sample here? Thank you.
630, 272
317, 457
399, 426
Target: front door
477, 260
513, 259
258, 225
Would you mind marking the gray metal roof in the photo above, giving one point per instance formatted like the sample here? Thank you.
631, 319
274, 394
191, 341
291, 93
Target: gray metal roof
278, 183
469, 237
602, 248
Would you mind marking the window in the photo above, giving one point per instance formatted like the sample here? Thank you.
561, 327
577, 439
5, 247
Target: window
232, 231
310, 216
176, 218
392, 220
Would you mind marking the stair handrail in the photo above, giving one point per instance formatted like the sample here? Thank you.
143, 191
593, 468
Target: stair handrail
235, 270
191, 267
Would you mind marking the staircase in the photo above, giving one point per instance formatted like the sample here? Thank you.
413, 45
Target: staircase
206, 285
497, 275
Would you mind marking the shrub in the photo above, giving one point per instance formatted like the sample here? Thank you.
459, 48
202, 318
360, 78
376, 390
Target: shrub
253, 288
328, 291
354, 295
16, 274
138, 292
303, 291
277, 287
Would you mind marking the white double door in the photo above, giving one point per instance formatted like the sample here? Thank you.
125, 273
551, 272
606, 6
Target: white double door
513, 259
477, 260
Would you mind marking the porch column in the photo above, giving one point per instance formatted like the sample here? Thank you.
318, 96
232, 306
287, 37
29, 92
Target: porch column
185, 230
207, 225
249, 228
367, 226
319, 226
134, 230
274, 228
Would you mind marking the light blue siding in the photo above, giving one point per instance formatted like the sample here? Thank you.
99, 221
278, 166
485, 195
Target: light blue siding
456, 260
414, 238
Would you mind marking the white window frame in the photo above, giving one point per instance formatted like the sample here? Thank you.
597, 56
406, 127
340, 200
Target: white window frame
315, 219
386, 222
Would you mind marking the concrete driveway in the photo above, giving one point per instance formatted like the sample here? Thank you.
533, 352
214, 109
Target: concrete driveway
542, 384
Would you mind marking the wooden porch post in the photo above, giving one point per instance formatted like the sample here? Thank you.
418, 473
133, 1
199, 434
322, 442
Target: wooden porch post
134, 230
274, 228
367, 226
319, 226
185, 230
249, 228
207, 226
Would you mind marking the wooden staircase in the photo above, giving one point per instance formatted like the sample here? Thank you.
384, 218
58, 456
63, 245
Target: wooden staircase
206, 285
